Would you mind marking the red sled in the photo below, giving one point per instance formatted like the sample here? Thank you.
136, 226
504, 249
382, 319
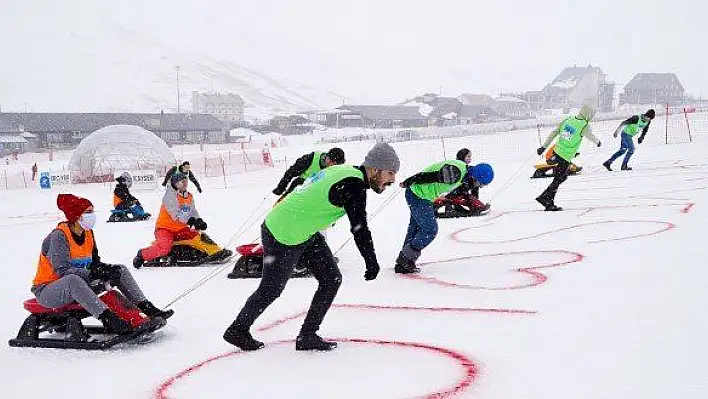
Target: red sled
459, 207
250, 264
61, 328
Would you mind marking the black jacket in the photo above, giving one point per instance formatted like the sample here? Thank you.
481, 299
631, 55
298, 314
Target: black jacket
121, 191
298, 168
191, 177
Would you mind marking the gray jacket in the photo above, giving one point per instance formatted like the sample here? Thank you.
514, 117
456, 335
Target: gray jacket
171, 203
56, 248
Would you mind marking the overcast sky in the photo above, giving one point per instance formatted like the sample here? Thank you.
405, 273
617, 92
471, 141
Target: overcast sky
377, 51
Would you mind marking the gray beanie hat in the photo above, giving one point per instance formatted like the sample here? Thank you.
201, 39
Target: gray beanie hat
382, 157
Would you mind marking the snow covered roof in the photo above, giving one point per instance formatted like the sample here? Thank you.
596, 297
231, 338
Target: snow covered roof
28, 135
652, 81
12, 139
571, 76
508, 99
386, 112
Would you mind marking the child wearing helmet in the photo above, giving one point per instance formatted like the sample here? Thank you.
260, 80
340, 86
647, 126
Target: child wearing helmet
124, 202
178, 220
421, 191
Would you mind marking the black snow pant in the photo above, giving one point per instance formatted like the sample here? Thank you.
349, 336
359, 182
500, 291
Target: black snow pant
278, 263
560, 174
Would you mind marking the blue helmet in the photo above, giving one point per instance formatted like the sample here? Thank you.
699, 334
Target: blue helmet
483, 173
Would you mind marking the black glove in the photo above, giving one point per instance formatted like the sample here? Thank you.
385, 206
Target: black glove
199, 224
540, 150
190, 221
164, 184
278, 190
199, 189
640, 139
104, 272
599, 143
372, 270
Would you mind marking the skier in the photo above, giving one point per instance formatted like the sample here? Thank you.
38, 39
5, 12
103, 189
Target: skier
69, 262
291, 231
464, 200
629, 129
570, 134
124, 202
306, 166
178, 220
185, 168
464, 155
421, 190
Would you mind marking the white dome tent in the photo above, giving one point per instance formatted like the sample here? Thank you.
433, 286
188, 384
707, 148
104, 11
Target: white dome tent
116, 148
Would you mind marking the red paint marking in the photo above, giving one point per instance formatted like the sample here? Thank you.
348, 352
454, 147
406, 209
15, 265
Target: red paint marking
687, 208
469, 368
667, 226
357, 306
537, 277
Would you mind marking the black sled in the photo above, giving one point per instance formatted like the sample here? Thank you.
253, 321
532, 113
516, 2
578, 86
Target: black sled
458, 207
197, 251
62, 328
250, 264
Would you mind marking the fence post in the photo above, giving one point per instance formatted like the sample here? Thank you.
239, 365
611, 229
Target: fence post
442, 140
666, 139
24, 179
223, 171
538, 130
6, 187
688, 126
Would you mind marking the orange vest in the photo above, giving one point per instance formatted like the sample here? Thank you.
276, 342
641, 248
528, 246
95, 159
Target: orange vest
116, 200
79, 256
165, 221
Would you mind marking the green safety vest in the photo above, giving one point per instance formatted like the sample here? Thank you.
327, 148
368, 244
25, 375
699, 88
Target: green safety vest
307, 209
430, 191
569, 138
633, 128
314, 166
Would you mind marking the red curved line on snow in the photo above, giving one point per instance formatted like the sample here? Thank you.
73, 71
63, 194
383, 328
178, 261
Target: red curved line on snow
469, 368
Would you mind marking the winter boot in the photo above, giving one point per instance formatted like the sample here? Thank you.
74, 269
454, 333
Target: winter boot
405, 265
313, 342
113, 323
553, 208
625, 167
152, 311
242, 339
138, 260
607, 165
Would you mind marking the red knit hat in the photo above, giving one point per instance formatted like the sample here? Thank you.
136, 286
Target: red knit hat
72, 206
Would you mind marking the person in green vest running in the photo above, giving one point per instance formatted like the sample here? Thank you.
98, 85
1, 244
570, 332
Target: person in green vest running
292, 231
421, 190
630, 128
306, 166
570, 134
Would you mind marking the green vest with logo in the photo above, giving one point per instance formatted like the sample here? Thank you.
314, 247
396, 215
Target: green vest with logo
314, 166
430, 191
307, 209
633, 128
569, 138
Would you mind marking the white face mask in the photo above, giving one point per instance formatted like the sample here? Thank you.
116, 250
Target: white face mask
87, 221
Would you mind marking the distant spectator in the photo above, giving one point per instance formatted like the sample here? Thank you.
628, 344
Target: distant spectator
184, 168
34, 171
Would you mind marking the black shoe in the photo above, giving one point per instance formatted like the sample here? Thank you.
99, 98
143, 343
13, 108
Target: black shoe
242, 339
113, 323
313, 342
553, 208
153, 311
406, 267
543, 201
138, 260
625, 167
607, 164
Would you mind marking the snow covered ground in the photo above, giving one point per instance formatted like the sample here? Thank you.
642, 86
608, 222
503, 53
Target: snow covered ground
604, 300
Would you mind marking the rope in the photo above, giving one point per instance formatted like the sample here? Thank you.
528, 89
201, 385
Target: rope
512, 179
373, 215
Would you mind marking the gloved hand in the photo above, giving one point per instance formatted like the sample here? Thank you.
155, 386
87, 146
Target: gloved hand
278, 191
190, 221
614, 134
199, 189
640, 139
199, 224
540, 150
372, 270
599, 143
104, 272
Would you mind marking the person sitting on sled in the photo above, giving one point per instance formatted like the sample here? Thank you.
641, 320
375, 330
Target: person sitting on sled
465, 198
464, 155
69, 263
306, 166
124, 201
178, 220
